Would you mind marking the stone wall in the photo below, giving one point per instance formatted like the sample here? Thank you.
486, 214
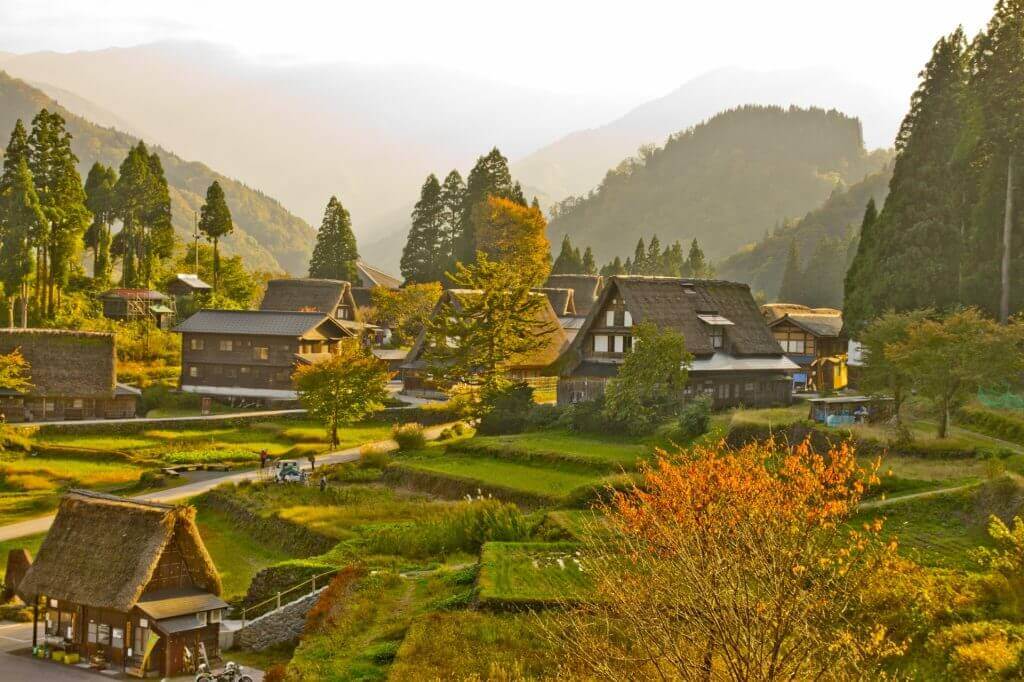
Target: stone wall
279, 626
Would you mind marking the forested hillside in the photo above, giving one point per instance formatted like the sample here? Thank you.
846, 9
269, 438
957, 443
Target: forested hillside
822, 239
721, 182
266, 235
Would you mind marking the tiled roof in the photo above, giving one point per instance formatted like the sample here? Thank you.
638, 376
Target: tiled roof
260, 322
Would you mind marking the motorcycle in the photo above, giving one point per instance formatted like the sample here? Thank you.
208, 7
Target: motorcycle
232, 673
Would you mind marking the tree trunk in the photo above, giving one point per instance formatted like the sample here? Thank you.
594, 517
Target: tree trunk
216, 264
334, 435
24, 306
1004, 299
10, 311
944, 420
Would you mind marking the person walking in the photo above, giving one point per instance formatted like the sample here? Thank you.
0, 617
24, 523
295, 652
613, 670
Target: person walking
264, 456
323, 483
312, 462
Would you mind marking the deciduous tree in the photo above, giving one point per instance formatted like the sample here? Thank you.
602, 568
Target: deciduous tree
880, 375
344, 388
406, 310
515, 234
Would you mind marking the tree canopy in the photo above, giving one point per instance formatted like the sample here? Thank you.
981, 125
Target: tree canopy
335, 254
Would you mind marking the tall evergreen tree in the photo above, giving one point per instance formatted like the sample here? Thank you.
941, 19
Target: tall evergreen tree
614, 268
997, 93
420, 254
859, 287
489, 177
15, 153
142, 202
791, 290
335, 254
215, 223
589, 265
639, 265
21, 217
453, 196
567, 263
653, 260
696, 264
672, 261
159, 238
99, 199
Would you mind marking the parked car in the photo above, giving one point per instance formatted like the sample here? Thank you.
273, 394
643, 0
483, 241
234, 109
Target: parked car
289, 471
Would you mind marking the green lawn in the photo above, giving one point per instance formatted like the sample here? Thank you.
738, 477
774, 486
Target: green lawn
237, 556
551, 481
525, 574
619, 451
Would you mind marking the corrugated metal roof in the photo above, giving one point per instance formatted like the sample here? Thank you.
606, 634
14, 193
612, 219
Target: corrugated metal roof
723, 362
262, 322
716, 320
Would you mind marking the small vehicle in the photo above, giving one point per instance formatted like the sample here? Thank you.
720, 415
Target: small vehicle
289, 471
232, 673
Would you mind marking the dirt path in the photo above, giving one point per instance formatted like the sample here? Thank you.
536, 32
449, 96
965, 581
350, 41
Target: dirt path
877, 504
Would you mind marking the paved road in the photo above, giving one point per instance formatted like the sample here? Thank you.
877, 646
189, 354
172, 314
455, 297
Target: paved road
42, 523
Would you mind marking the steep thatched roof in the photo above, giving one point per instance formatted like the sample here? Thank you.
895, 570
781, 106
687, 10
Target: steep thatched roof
369, 276
308, 295
65, 363
586, 289
561, 300
775, 311
362, 297
679, 304
101, 550
18, 562
555, 339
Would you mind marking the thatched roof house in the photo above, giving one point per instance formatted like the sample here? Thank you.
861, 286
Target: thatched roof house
368, 277
529, 366
814, 339
736, 358
586, 289
73, 376
561, 300
327, 296
126, 565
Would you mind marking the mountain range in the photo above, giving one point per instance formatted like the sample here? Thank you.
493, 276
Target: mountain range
266, 235
370, 134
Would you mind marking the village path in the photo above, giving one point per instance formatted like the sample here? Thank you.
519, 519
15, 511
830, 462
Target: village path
181, 492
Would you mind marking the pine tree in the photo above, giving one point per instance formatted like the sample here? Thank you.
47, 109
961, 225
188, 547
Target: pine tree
567, 263
335, 254
614, 268
453, 196
791, 290
589, 265
21, 217
159, 237
653, 260
862, 279
419, 257
997, 91
639, 265
696, 264
672, 261
489, 177
16, 152
131, 201
99, 198
215, 223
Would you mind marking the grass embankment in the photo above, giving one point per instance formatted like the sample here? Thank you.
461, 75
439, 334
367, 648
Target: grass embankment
31, 482
529, 575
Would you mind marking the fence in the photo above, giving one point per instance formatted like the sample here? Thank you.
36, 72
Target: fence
276, 599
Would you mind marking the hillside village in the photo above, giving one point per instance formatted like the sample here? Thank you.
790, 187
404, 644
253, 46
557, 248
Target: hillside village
799, 457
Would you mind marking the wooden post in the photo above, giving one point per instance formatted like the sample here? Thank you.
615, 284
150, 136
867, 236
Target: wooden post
1004, 298
278, 600
35, 621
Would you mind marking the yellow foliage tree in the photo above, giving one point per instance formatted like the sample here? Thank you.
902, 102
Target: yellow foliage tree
517, 235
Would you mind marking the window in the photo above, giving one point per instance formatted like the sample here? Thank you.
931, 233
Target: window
627, 319
600, 343
230, 372
117, 638
609, 318
750, 387
717, 337
215, 615
342, 313
201, 617
619, 344
195, 344
227, 345
260, 353
243, 370
282, 375
77, 404
193, 371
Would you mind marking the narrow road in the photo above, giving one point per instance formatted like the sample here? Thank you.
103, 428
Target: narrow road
42, 523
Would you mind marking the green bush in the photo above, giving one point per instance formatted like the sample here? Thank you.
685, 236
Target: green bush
409, 436
162, 396
460, 429
695, 418
505, 410
374, 456
152, 478
543, 417
446, 434
992, 423
585, 417
383, 653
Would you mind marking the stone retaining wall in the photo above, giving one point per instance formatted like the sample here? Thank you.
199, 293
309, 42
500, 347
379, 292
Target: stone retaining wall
277, 627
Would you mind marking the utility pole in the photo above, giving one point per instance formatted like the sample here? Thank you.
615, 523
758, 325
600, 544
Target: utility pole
195, 237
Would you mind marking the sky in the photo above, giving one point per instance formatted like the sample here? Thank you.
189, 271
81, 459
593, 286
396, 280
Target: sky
637, 48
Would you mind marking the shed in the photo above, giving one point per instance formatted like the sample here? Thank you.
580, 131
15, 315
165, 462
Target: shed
185, 284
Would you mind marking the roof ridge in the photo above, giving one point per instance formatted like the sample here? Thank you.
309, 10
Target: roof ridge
107, 497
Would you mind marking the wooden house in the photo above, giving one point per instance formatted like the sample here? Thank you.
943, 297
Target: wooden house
185, 284
535, 368
327, 296
126, 582
736, 359
73, 376
814, 339
138, 304
251, 354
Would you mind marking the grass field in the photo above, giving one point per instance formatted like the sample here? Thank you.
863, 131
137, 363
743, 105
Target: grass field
600, 449
529, 574
237, 557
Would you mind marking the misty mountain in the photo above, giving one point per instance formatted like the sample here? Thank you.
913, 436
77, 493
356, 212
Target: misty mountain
302, 132
720, 182
761, 264
90, 111
577, 162
266, 235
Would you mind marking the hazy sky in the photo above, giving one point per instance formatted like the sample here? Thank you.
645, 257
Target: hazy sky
630, 47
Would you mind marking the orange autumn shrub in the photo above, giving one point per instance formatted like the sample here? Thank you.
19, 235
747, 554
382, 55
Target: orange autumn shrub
733, 564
